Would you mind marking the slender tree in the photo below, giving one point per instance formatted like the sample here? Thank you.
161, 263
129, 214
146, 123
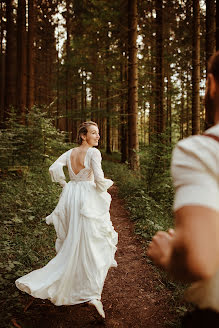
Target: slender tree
217, 24
123, 111
210, 46
2, 63
30, 54
9, 74
196, 68
67, 72
108, 118
132, 86
21, 59
159, 69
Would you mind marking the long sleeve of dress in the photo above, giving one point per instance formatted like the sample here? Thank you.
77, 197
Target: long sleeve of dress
102, 184
56, 170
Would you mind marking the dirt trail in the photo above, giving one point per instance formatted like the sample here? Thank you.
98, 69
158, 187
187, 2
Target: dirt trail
132, 296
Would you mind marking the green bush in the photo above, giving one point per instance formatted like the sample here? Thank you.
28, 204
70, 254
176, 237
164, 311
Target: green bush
30, 144
149, 205
27, 197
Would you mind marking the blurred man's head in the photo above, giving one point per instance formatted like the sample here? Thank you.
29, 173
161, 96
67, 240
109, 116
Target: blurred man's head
212, 90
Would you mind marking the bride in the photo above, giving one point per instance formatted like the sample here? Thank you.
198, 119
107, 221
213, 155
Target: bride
86, 240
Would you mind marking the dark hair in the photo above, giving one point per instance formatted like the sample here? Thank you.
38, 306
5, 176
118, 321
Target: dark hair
213, 66
83, 130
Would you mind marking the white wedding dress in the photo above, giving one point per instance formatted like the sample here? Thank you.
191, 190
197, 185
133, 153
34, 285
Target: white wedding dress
86, 240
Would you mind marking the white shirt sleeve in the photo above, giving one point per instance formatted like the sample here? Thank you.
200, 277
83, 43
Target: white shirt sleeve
102, 184
56, 170
195, 172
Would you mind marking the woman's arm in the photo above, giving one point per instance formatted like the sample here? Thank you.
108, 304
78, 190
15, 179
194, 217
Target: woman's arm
101, 183
56, 170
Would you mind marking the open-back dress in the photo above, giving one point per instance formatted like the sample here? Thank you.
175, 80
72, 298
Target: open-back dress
86, 240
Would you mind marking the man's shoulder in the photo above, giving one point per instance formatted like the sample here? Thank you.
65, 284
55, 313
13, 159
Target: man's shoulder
197, 144
197, 150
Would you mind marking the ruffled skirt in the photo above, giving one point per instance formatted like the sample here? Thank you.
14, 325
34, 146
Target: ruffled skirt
85, 246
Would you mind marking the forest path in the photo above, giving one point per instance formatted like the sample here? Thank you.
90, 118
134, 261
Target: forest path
133, 296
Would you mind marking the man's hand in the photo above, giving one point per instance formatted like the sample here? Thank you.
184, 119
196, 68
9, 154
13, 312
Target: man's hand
160, 248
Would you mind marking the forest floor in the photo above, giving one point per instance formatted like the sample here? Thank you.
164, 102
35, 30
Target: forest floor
133, 294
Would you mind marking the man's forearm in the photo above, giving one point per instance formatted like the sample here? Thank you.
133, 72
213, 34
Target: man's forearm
179, 268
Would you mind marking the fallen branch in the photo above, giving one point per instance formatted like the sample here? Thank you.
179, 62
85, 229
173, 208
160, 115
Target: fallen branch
15, 323
28, 305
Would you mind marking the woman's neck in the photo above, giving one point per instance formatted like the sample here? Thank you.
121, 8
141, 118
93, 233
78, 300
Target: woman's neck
85, 146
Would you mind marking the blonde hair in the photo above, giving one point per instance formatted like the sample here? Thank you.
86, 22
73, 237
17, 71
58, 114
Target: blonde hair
83, 129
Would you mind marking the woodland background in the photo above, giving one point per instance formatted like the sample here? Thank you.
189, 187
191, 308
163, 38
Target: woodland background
137, 68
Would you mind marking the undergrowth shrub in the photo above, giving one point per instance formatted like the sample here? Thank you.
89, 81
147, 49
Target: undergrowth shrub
148, 196
31, 144
26, 199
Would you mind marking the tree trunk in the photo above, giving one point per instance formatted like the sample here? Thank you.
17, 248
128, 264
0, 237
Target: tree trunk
169, 105
85, 97
67, 77
217, 24
132, 86
9, 75
57, 92
21, 59
151, 100
196, 69
30, 55
123, 114
108, 119
159, 70
210, 48
188, 103
2, 67
182, 116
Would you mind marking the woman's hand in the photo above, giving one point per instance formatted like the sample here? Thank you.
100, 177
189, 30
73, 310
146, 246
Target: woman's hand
160, 248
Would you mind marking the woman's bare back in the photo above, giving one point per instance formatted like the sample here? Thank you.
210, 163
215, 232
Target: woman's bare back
77, 159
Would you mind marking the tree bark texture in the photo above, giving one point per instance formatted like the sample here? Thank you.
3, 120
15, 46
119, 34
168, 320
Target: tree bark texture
108, 118
30, 55
9, 74
196, 69
123, 113
217, 24
169, 104
159, 69
67, 77
21, 59
2, 66
132, 86
210, 47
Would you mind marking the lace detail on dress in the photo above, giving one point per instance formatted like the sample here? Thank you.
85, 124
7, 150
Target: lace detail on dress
84, 174
92, 170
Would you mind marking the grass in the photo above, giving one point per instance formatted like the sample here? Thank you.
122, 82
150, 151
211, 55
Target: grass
27, 242
150, 207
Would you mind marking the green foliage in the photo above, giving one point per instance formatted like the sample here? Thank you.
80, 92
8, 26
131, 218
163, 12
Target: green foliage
148, 198
27, 242
30, 144
26, 199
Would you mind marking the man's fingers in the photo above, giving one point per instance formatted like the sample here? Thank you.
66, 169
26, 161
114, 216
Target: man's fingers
161, 235
171, 232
